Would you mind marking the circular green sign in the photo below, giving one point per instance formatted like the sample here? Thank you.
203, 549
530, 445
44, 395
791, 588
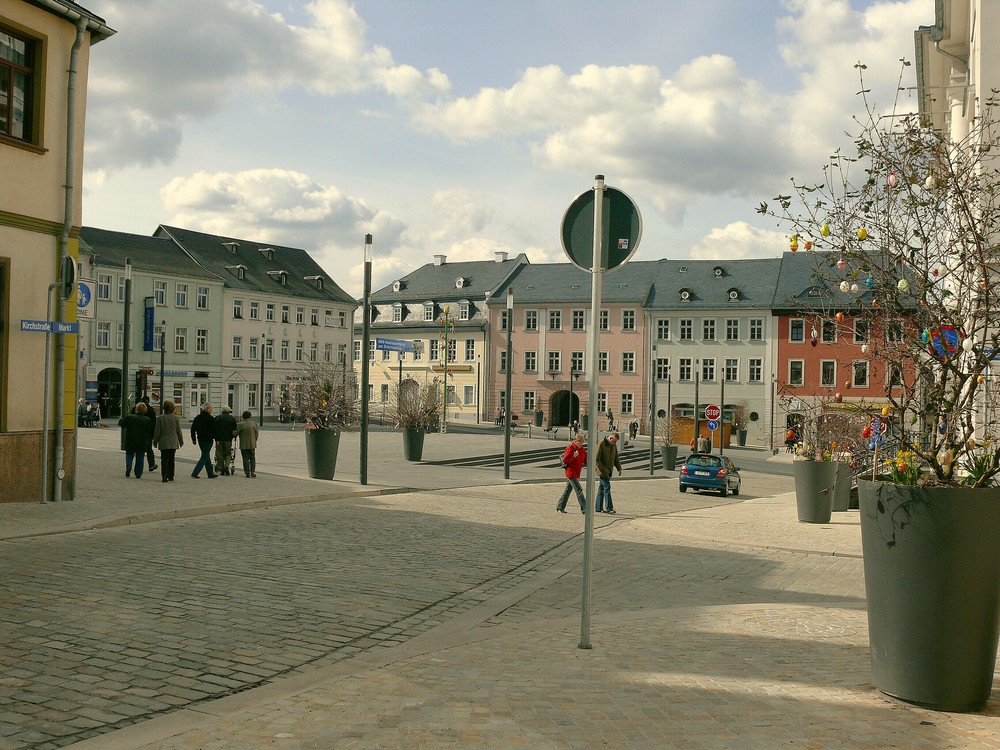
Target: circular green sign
621, 225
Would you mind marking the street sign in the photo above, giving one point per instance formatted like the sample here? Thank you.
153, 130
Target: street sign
712, 411
393, 345
48, 326
712, 424
85, 300
148, 316
621, 224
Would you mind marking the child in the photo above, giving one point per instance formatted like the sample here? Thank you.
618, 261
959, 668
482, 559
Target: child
247, 432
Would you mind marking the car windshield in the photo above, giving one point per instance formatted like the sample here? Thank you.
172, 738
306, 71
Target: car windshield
712, 461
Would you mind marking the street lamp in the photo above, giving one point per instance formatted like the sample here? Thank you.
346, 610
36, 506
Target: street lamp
366, 333
509, 400
163, 358
126, 335
263, 347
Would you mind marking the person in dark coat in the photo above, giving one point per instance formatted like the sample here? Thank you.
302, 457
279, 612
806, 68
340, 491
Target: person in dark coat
203, 433
248, 431
225, 428
137, 435
607, 460
151, 415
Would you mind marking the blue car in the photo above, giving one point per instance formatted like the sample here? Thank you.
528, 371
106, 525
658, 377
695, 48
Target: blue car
705, 471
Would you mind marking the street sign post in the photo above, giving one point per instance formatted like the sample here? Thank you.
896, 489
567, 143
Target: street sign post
712, 425
393, 345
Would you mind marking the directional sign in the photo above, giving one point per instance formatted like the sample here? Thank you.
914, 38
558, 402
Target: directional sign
48, 326
393, 345
85, 300
622, 230
712, 411
712, 424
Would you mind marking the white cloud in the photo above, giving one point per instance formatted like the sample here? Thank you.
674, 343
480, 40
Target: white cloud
740, 240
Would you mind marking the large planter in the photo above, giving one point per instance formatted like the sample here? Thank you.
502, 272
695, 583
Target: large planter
668, 457
814, 482
842, 488
932, 578
413, 443
741, 438
321, 452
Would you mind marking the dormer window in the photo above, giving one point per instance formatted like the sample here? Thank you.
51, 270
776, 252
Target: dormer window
428, 311
397, 286
734, 295
719, 272
685, 295
232, 247
459, 282
280, 276
267, 252
240, 271
397, 313
682, 269
317, 280
463, 310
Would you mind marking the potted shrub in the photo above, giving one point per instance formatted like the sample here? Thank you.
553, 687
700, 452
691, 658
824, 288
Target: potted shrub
415, 409
325, 394
741, 413
911, 218
665, 438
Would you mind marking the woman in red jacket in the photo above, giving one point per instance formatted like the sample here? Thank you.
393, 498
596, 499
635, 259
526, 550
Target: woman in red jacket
574, 458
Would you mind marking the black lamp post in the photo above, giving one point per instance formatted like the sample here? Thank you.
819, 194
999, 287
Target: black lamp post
509, 400
163, 359
260, 410
365, 339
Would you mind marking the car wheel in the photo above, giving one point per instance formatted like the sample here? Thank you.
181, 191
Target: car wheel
737, 490
723, 492
683, 488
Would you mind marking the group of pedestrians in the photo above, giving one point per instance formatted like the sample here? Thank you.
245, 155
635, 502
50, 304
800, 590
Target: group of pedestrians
574, 458
143, 431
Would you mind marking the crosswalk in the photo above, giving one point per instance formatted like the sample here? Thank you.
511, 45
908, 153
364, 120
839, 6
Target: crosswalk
545, 458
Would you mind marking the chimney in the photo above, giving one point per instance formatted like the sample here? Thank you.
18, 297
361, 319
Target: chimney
501, 256
440, 260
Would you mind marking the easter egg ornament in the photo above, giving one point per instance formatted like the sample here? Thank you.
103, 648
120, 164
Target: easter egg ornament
892, 180
903, 285
862, 234
840, 317
855, 288
793, 243
869, 282
844, 286
967, 345
841, 264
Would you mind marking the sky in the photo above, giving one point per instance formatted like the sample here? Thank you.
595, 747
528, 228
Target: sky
467, 127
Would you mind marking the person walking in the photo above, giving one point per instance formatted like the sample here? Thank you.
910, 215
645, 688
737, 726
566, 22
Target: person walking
611, 419
247, 432
151, 416
136, 428
574, 458
704, 446
607, 461
168, 437
225, 429
203, 435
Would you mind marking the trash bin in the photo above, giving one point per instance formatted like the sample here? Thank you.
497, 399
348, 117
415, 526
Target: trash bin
538, 418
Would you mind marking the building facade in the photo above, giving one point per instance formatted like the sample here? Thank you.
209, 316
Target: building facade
44, 59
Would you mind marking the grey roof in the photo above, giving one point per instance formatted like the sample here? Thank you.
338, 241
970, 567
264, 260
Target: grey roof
153, 254
209, 250
553, 283
71, 11
810, 281
433, 282
714, 284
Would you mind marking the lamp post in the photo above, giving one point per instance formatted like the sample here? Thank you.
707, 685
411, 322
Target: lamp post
366, 333
507, 397
652, 413
163, 358
260, 403
126, 335
477, 389
697, 433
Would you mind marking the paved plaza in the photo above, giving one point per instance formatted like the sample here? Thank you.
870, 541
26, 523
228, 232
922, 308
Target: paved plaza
437, 607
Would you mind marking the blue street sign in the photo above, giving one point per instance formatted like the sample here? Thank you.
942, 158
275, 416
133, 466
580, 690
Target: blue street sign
393, 345
148, 315
712, 424
48, 326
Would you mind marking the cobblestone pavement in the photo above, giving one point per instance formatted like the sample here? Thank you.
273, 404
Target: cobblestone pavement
447, 618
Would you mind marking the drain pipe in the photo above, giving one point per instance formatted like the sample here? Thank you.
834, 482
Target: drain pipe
60, 365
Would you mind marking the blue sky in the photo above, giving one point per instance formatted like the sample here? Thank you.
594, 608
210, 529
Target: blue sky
464, 127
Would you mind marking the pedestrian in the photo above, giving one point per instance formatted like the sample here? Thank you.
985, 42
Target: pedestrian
168, 437
203, 435
574, 458
81, 413
225, 429
607, 461
136, 428
611, 420
633, 429
704, 446
498, 416
151, 416
247, 432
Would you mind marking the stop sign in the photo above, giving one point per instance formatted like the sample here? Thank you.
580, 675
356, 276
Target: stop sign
712, 411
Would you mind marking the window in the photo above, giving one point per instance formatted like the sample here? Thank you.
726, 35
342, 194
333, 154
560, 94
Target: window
397, 313
894, 332
251, 395
160, 293
429, 312
602, 403
628, 320
502, 399
530, 361
201, 340
732, 370
158, 334
860, 374
418, 350
684, 372
104, 286
383, 392
733, 329
180, 339
861, 334
314, 316
755, 370
756, 329
254, 310
605, 321
269, 312
237, 308
576, 362
327, 352
181, 295
284, 350
894, 376
555, 320
103, 335
452, 350
627, 400
463, 310
269, 395
201, 299
578, 318
529, 401
505, 320
708, 329
555, 361
531, 320
120, 338
253, 349
285, 314
687, 329
797, 330
470, 350
313, 351
385, 355
662, 368
300, 316
603, 362
708, 369
828, 373
121, 288
502, 361
628, 362
357, 351
435, 351
663, 330
469, 394
829, 332
796, 371
19, 88
300, 351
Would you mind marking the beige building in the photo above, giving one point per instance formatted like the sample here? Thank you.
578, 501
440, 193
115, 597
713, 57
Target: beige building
44, 58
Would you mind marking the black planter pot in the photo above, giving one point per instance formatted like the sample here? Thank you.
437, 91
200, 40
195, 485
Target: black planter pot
668, 457
321, 452
814, 483
932, 579
741, 438
842, 488
413, 443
